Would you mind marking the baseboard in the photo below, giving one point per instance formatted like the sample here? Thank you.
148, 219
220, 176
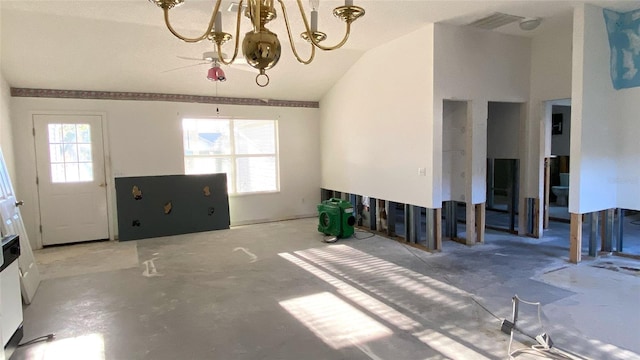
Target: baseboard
264, 221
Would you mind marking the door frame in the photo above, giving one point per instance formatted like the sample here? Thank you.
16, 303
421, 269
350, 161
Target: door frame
108, 174
545, 153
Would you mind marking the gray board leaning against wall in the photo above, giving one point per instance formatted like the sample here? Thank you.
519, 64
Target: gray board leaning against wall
154, 206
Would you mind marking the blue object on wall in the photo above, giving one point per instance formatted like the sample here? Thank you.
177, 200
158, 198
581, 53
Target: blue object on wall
624, 40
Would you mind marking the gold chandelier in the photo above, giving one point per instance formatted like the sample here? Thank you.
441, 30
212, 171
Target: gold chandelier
261, 47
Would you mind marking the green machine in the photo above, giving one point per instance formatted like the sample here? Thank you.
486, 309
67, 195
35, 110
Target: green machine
335, 217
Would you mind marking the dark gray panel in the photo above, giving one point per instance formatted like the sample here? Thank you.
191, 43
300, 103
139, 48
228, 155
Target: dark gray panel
147, 213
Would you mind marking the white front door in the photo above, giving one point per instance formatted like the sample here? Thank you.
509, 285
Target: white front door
12, 225
71, 178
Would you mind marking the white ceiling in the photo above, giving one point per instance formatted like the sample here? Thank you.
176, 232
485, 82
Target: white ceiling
124, 46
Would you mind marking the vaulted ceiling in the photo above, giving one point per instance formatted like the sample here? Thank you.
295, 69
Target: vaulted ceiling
124, 45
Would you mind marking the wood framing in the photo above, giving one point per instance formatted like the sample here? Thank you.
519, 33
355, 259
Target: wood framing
480, 222
547, 190
575, 246
536, 217
470, 239
438, 229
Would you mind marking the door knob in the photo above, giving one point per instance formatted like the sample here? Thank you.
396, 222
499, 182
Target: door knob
19, 203
103, 185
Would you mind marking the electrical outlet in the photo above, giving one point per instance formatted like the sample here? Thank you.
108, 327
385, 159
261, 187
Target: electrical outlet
422, 171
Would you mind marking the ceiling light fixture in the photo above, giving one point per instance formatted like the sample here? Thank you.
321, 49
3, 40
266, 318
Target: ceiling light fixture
216, 73
528, 24
261, 47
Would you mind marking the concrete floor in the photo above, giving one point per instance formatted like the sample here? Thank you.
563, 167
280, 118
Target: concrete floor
276, 291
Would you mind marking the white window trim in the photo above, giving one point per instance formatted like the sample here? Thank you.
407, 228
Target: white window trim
233, 156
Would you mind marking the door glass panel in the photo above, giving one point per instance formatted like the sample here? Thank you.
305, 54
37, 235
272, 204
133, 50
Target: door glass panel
69, 133
57, 173
55, 133
70, 152
56, 152
84, 152
71, 172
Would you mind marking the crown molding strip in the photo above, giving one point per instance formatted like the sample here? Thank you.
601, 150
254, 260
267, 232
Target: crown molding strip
117, 95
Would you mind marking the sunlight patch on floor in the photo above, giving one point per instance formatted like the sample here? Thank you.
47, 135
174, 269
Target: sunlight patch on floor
364, 300
86, 347
447, 346
334, 321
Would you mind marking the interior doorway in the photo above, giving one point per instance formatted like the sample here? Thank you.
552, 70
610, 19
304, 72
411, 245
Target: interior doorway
504, 122
557, 160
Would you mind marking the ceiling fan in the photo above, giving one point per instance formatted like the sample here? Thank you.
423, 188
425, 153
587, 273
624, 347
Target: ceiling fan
215, 72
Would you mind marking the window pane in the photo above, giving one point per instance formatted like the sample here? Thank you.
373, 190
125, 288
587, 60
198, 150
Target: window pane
210, 165
86, 171
69, 133
256, 174
84, 152
71, 172
84, 133
206, 137
206, 165
55, 133
55, 153
255, 136
70, 152
57, 173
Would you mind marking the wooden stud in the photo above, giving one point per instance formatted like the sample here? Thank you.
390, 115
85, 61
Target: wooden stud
547, 190
536, 218
480, 222
603, 235
471, 224
575, 246
438, 229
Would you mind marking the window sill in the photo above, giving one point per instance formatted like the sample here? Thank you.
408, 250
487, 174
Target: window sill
254, 193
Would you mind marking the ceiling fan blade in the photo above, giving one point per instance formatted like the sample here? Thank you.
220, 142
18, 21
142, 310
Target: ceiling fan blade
190, 58
184, 67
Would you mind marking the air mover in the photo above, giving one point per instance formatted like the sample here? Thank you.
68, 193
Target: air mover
335, 217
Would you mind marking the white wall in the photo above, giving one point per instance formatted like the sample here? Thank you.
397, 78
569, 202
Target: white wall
479, 66
454, 150
6, 138
376, 127
594, 135
551, 66
503, 130
561, 143
145, 138
628, 150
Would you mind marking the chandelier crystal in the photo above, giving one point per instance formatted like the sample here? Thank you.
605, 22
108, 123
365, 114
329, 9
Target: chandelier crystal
261, 47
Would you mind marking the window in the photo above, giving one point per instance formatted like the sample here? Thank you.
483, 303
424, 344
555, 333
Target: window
70, 153
246, 150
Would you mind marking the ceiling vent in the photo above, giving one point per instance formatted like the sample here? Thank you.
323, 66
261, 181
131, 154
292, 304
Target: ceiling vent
495, 21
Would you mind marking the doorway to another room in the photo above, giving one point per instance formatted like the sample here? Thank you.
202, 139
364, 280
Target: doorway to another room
503, 165
558, 168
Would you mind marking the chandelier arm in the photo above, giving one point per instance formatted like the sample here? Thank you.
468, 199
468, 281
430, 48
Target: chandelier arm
313, 40
293, 47
192, 40
235, 51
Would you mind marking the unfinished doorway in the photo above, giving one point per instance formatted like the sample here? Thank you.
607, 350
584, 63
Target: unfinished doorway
503, 165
